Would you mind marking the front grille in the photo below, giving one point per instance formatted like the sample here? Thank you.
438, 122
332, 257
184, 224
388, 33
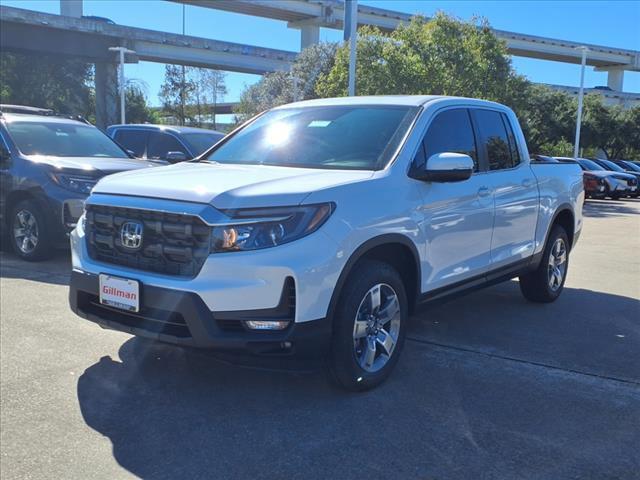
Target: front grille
172, 244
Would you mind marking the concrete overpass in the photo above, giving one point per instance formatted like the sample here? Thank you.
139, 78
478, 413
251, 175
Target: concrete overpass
71, 34
309, 15
29, 31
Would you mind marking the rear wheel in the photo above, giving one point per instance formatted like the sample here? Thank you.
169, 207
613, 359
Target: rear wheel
369, 327
545, 284
29, 231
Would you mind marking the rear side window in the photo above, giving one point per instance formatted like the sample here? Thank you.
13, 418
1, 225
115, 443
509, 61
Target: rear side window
494, 139
162, 143
451, 131
513, 146
134, 140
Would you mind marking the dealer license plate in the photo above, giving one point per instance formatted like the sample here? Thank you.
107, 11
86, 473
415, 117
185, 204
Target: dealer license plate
120, 292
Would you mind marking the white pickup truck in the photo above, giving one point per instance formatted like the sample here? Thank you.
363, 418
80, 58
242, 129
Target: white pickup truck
315, 229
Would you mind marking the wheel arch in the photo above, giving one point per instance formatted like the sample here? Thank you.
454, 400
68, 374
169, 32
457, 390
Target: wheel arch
564, 217
393, 248
17, 196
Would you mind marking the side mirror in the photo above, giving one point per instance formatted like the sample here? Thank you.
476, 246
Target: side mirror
446, 167
174, 157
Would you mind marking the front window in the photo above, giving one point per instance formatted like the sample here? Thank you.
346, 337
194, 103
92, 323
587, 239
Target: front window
59, 139
612, 166
632, 166
332, 137
199, 142
589, 164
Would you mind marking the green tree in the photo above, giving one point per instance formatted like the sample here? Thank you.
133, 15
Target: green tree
442, 56
548, 119
211, 84
59, 83
177, 91
136, 107
278, 88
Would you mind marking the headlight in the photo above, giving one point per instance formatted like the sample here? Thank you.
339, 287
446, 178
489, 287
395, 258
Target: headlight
75, 183
254, 229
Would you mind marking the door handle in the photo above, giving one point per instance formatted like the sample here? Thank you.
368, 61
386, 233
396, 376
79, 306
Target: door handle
484, 192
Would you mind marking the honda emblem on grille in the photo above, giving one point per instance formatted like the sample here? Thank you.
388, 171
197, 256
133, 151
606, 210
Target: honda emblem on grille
131, 235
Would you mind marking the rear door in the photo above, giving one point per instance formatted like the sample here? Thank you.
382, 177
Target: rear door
160, 144
134, 140
514, 187
458, 216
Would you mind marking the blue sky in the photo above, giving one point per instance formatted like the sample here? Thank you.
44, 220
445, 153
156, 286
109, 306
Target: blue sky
609, 23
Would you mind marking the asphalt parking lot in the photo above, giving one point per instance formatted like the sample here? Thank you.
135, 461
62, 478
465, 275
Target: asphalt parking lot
489, 386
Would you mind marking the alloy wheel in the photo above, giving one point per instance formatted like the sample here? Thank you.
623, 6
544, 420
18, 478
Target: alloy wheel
557, 264
25, 231
377, 327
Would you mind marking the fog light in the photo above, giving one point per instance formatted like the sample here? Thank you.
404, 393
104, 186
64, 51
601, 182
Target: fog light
265, 325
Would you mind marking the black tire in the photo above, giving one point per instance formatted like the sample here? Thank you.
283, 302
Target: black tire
343, 365
44, 246
535, 286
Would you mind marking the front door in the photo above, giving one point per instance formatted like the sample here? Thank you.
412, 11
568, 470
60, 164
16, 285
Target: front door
457, 217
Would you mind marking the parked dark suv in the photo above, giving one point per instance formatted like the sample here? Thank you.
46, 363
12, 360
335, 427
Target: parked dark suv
48, 166
163, 142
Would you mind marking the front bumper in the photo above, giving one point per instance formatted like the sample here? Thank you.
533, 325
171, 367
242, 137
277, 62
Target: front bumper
184, 319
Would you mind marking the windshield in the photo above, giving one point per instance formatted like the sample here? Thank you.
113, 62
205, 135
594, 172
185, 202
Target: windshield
333, 137
58, 139
612, 166
589, 164
632, 166
199, 142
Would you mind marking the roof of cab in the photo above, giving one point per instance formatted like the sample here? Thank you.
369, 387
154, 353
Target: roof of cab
398, 100
29, 117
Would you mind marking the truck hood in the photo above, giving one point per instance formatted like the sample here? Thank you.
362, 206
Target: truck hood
228, 186
97, 166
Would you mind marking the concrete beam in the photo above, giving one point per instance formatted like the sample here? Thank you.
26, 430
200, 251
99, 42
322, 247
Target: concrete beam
27, 30
309, 35
71, 8
106, 82
615, 79
330, 14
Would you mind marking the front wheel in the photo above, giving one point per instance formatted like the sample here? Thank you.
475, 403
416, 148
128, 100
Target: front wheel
545, 284
30, 234
369, 327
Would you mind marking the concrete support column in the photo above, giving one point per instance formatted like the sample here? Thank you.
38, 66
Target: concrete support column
106, 80
615, 79
71, 8
309, 35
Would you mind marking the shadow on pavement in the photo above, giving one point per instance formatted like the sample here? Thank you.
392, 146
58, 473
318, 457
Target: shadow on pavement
591, 332
609, 208
174, 413
56, 270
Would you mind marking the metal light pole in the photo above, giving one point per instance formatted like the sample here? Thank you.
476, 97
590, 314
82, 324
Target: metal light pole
351, 34
576, 145
122, 51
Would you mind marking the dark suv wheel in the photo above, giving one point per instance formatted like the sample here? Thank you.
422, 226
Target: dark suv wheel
369, 326
29, 231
